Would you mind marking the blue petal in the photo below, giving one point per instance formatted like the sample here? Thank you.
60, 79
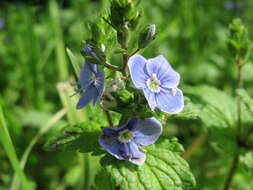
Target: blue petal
130, 125
110, 131
122, 151
85, 76
90, 93
113, 146
138, 161
170, 103
92, 67
165, 73
150, 97
147, 131
137, 65
99, 84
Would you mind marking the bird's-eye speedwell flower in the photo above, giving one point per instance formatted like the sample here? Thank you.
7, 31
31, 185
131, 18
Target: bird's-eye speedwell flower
92, 82
159, 82
125, 142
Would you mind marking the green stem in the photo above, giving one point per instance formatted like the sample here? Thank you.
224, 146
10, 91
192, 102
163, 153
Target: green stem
232, 172
138, 49
239, 85
234, 165
124, 68
112, 67
10, 151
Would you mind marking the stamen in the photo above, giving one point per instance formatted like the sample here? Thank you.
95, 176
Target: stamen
173, 91
154, 84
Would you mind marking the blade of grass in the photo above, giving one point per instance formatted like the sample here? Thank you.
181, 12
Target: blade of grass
43, 130
11, 153
60, 50
74, 61
65, 90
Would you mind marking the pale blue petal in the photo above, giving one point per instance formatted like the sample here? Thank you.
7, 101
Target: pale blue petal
147, 131
136, 65
171, 80
163, 70
150, 97
169, 103
134, 150
87, 96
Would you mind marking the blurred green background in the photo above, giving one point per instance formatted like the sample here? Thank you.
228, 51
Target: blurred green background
192, 34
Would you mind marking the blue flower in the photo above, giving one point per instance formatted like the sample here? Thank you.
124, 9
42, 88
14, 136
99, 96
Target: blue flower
159, 82
92, 82
125, 142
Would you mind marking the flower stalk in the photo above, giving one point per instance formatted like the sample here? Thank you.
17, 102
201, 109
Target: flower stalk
235, 162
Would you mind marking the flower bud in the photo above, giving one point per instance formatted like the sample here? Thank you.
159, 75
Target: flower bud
93, 54
123, 35
133, 23
239, 43
147, 36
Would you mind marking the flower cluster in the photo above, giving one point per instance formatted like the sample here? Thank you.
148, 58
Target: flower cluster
158, 81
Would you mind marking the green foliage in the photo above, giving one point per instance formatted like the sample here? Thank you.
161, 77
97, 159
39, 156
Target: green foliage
163, 169
32, 61
248, 101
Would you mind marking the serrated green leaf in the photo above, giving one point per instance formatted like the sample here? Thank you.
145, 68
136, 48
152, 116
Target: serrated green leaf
218, 108
164, 169
82, 138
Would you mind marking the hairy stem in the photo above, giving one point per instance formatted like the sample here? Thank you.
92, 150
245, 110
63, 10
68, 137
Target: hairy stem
124, 68
235, 162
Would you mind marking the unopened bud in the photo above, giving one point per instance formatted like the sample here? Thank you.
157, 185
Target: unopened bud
93, 54
147, 36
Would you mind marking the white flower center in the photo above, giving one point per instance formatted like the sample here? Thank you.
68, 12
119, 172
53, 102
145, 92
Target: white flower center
93, 77
125, 136
154, 84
